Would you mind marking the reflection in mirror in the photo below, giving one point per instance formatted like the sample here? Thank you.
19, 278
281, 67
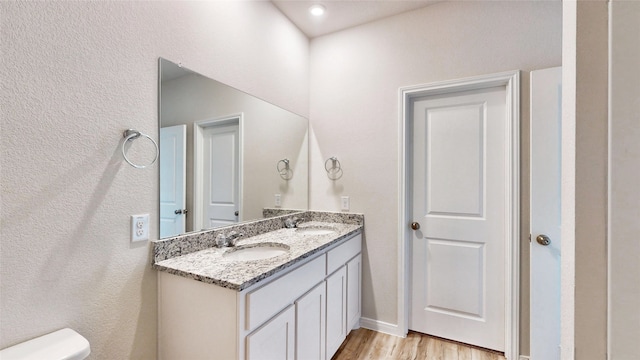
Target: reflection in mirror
220, 150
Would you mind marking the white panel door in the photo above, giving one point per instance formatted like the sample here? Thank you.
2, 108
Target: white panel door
221, 175
173, 197
275, 340
460, 202
310, 324
545, 213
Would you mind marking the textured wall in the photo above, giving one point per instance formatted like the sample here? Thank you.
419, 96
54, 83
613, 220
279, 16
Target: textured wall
355, 76
624, 176
74, 75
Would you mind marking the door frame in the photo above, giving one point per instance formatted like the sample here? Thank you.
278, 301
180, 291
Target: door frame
198, 141
511, 80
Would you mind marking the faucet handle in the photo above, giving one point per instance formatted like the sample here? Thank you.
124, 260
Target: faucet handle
233, 237
221, 240
292, 222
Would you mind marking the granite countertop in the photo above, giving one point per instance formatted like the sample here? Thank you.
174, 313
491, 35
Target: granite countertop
211, 267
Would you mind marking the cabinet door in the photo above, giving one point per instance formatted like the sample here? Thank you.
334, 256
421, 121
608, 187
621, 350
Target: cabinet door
354, 279
336, 310
274, 340
310, 324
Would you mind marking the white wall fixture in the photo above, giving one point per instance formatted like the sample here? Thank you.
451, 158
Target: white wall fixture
317, 10
139, 227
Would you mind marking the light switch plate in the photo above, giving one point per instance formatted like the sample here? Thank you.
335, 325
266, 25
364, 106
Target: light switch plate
139, 227
344, 203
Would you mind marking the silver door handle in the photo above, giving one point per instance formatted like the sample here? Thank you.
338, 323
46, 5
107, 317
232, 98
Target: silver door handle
543, 240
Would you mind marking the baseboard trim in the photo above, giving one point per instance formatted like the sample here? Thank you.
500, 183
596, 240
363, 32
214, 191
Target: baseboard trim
381, 326
522, 357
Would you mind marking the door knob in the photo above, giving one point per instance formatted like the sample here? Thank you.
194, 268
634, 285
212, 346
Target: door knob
415, 225
181, 211
543, 240
236, 213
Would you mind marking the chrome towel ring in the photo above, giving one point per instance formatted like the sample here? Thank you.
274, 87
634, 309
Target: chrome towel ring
284, 170
130, 135
335, 171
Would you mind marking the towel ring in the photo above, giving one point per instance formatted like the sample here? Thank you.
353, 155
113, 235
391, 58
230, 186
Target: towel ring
284, 170
131, 134
335, 171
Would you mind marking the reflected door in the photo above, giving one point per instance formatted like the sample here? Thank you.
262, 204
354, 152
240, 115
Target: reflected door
173, 142
459, 202
221, 175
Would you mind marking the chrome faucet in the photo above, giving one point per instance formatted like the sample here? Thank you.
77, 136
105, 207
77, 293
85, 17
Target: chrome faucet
292, 222
230, 239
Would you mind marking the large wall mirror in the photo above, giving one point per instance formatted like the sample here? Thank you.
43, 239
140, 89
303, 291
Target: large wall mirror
224, 155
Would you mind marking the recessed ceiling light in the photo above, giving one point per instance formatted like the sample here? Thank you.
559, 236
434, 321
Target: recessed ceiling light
317, 10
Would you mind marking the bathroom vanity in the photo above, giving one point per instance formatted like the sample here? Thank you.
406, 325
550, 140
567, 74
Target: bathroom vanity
297, 304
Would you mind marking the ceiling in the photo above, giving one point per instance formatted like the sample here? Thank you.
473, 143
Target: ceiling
342, 14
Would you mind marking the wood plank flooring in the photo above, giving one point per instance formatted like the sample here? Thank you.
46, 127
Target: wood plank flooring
368, 344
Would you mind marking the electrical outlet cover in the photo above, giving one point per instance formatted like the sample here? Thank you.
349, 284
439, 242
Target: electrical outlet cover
345, 203
139, 227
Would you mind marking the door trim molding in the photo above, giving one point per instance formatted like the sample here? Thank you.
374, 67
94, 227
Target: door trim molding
511, 81
198, 140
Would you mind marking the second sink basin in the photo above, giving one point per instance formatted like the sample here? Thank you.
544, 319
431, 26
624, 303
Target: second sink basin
315, 230
259, 251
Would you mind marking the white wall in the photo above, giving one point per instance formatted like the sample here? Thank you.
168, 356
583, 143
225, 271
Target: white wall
355, 76
74, 76
624, 177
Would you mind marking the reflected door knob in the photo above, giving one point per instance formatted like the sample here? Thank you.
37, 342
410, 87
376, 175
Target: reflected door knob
415, 225
543, 240
181, 211
236, 213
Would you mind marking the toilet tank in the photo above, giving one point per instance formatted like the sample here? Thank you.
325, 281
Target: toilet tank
64, 344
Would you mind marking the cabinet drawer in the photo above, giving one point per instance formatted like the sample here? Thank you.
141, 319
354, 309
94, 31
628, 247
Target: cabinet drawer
343, 253
265, 302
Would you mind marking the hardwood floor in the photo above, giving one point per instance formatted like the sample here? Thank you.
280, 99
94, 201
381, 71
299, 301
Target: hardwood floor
368, 344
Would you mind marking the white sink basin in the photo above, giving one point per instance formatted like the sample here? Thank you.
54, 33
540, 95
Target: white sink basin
255, 252
315, 230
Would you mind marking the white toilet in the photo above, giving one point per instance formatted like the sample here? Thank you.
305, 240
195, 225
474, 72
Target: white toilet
64, 344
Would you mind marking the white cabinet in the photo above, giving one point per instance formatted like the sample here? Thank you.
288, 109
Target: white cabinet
275, 339
336, 310
310, 324
268, 300
354, 280
304, 312
343, 292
